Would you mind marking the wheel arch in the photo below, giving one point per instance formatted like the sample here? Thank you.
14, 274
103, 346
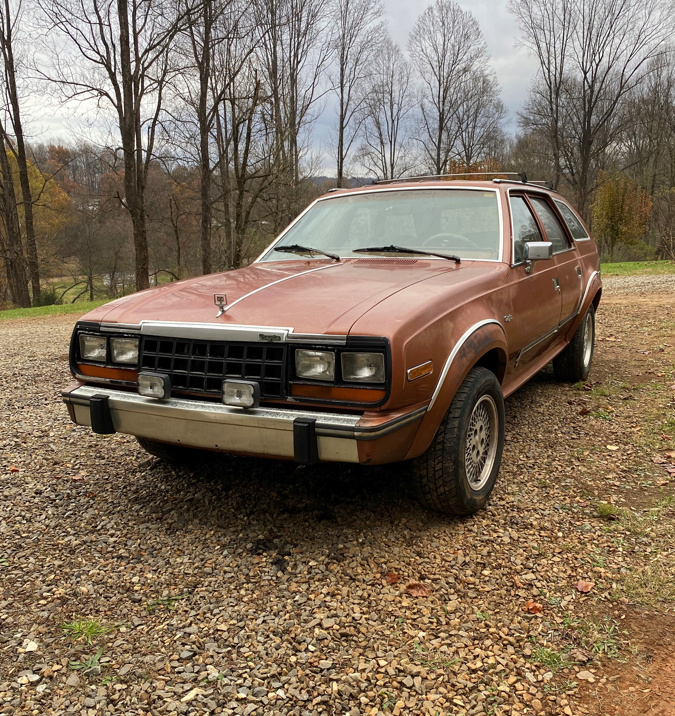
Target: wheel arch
483, 344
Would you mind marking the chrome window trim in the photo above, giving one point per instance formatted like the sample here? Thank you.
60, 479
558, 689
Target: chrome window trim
581, 223
453, 354
330, 197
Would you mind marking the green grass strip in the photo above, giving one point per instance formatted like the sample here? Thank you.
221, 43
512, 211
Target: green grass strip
40, 311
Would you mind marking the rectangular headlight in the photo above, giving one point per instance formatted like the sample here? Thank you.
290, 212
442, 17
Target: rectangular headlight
93, 348
315, 365
363, 367
124, 350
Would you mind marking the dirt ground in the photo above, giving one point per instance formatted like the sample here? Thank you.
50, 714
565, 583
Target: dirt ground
249, 587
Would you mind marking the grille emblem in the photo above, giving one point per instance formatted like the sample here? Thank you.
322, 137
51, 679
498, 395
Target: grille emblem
220, 299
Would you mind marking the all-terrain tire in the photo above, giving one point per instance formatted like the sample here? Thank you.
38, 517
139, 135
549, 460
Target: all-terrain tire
574, 363
457, 473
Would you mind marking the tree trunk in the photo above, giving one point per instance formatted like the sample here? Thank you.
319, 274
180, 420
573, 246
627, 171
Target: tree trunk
12, 248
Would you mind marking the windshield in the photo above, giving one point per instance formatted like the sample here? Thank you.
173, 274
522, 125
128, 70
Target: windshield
461, 222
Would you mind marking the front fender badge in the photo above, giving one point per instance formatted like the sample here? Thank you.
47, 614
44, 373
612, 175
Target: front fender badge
220, 299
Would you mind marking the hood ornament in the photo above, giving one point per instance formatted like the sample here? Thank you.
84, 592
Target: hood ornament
220, 299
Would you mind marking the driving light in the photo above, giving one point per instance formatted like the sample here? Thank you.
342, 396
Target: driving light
241, 393
93, 347
363, 367
124, 350
315, 365
154, 385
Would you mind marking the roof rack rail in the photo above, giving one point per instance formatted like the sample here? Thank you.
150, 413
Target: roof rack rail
521, 175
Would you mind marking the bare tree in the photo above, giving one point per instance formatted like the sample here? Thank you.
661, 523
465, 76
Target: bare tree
547, 27
117, 52
479, 116
11, 248
10, 21
592, 54
357, 34
386, 110
294, 51
446, 46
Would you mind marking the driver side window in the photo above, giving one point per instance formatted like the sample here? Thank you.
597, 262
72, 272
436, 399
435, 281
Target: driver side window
524, 228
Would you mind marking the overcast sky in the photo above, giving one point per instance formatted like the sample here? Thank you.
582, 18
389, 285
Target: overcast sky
514, 66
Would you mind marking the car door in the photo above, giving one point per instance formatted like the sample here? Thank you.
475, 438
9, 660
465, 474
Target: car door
535, 298
565, 255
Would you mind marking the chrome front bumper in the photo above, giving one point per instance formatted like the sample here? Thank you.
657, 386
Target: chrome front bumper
304, 435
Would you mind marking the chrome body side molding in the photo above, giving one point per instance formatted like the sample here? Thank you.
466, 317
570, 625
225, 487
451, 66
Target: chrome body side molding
453, 354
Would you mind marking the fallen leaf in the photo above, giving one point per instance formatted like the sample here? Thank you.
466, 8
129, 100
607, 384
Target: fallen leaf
533, 607
588, 386
612, 447
584, 411
415, 589
661, 483
581, 655
517, 582
392, 577
667, 453
13, 468
670, 469
584, 586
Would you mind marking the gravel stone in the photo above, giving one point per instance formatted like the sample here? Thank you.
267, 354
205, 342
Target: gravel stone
235, 586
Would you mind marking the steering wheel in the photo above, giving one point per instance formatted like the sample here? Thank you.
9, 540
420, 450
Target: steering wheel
446, 238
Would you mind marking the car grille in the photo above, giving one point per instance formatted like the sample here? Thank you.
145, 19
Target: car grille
199, 367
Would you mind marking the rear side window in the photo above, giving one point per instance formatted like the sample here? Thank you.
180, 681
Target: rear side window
524, 227
573, 224
552, 226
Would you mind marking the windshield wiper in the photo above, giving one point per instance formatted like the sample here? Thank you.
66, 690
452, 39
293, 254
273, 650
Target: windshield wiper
404, 250
297, 249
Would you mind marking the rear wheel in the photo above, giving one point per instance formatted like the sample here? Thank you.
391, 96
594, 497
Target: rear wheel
458, 472
175, 454
574, 363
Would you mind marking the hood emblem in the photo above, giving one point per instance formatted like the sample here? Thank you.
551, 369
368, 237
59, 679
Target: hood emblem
220, 299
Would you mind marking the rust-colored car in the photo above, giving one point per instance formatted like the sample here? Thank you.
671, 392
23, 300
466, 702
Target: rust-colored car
386, 323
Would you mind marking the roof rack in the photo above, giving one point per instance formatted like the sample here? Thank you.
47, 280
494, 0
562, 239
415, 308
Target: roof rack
521, 176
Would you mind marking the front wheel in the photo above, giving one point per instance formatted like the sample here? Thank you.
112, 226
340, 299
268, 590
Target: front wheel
574, 363
457, 473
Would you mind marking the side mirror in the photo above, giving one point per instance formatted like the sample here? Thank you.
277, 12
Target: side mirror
538, 250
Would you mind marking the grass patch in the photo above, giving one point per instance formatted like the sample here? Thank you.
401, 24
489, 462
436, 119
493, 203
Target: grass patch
603, 638
608, 511
168, 603
88, 665
39, 311
86, 630
553, 660
638, 268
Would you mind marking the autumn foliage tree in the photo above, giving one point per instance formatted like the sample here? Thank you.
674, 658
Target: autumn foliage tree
620, 212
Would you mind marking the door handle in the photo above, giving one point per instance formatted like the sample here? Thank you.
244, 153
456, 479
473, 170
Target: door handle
578, 272
556, 284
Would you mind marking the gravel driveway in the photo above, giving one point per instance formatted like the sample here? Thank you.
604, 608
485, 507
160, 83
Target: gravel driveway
244, 587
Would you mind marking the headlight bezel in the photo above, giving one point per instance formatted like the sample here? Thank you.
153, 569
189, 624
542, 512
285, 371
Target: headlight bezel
358, 345
79, 359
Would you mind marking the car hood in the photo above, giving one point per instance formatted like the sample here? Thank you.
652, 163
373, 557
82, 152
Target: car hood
306, 296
